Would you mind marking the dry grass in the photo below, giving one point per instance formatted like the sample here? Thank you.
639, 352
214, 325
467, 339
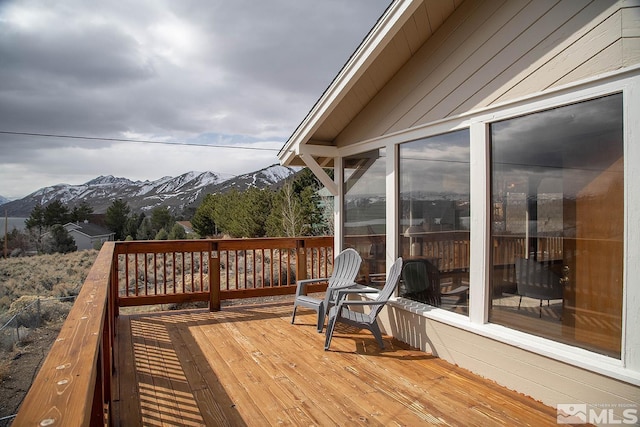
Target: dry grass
22, 281
54, 275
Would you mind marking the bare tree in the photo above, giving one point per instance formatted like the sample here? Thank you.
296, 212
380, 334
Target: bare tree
293, 223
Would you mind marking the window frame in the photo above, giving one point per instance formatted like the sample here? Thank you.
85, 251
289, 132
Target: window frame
627, 82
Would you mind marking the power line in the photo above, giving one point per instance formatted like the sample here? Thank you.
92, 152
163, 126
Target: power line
140, 141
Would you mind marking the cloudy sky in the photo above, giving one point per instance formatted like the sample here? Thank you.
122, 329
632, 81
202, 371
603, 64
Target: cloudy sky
212, 74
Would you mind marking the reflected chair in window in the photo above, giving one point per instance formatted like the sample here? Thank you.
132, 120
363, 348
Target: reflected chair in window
345, 269
342, 312
536, 280
418, 285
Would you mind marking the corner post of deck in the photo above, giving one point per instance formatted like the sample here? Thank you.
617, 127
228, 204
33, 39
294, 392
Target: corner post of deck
214, 277
113, 285
301, 260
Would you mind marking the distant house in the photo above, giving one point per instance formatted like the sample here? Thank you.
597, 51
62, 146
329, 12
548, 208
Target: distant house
188, 228
88, 235
495, 145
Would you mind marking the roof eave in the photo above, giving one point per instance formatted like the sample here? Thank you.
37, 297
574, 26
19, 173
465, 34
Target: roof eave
382, 33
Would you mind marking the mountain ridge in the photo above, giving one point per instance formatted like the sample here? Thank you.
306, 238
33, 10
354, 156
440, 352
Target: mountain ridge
176, 193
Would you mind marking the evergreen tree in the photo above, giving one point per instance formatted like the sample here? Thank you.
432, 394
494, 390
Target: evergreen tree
224, 207
177, 232
161, 218
253, 211
81, 212
60, 241
202, 220
116, 218
36, 218
162, 234
131, 228
145, 231
56, 213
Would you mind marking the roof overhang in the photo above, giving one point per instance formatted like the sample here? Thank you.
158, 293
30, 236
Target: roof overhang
313, 146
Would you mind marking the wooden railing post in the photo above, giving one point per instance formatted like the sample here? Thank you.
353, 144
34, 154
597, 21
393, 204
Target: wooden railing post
113, 288
301, 260
214, 277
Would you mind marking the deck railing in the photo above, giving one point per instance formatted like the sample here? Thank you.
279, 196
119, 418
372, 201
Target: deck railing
74, 384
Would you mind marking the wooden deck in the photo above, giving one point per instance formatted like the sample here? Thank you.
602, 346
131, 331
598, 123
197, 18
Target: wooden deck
248, 366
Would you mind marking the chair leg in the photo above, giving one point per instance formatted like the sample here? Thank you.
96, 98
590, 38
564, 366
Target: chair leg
520, 302
329, 333
540, 309
293, 316
320, 317
375, 330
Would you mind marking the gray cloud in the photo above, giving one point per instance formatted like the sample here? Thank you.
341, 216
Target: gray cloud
162, 70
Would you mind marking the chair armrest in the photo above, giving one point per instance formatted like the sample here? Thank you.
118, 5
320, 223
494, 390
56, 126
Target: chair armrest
342, 294
343, 286
361, 303
302, 284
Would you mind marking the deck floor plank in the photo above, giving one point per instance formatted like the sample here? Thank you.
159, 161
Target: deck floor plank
126, 405
211, 398
247, 365
279, 361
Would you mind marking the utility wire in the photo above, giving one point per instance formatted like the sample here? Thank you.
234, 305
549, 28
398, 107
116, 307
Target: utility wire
141, 141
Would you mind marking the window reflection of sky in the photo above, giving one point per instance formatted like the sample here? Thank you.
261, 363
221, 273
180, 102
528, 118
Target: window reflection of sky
575, 142
438, 165
365, 174
562, 137
365, 193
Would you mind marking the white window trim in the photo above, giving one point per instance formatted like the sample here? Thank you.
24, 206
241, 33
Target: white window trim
626, 81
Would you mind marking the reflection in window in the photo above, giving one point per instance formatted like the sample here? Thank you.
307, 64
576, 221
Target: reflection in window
557, 224
434, 220
365, 211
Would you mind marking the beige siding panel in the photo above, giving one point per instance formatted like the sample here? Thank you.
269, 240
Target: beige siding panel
582, 52
493, 38
631, 22
576, 52
542, 37
608, 59
405, 91
631, 51
447, 58
631, 36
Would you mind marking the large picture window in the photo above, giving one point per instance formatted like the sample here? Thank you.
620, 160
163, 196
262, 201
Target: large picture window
434, 220
365, 212
557, 199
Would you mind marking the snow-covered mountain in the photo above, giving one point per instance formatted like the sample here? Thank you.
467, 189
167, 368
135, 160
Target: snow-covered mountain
174, 192
4, 200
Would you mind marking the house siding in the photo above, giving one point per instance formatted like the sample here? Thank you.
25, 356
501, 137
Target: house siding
82, 242
492, 52
489, 53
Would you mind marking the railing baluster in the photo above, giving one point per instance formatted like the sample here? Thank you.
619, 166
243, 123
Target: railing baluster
253, 262
201, 272
183, 271
126, 272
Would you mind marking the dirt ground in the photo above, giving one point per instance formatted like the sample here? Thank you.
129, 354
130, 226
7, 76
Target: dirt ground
19, 368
